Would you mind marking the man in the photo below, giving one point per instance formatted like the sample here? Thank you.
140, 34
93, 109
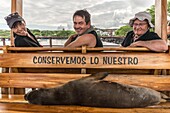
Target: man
23, 36
85, 33
141, 36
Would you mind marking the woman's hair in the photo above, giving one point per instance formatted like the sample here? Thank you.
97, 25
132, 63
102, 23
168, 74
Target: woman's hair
16, 23
84, 14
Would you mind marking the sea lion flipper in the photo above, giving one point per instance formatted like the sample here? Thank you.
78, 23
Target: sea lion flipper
163, 96
99, 76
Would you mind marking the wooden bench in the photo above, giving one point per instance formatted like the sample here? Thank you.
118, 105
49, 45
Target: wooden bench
50, 67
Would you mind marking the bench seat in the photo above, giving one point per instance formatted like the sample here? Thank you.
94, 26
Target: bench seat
29, 108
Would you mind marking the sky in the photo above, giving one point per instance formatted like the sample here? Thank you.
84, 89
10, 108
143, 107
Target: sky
56, 14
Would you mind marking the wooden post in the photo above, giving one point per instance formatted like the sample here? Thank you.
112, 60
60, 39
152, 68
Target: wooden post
50, 38
3, 40
19, 7
84, 51
161, 21
161, 18
16, 5
5, 70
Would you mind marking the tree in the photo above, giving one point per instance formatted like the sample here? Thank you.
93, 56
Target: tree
151, 10
5, 33
122, 31
65, 33
168, 8
36, 32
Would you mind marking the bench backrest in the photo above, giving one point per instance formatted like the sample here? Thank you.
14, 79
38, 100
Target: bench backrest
108, 59
45, 62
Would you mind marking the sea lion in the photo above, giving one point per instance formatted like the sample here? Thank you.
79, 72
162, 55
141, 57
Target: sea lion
93, 91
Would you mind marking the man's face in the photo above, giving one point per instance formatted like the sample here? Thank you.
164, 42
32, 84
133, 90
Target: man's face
80, 25
140, 27
20, 28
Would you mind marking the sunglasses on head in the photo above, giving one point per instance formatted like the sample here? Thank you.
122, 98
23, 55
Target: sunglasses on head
12, 15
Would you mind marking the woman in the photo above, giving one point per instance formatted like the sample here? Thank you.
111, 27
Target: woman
141, 35
23, 36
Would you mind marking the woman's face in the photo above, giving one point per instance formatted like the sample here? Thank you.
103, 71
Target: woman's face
140, 27
20, 28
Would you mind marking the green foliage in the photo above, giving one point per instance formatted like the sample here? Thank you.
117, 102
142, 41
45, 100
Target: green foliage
168, 7
122, 31
36, 32
62, 33
65, 33
151, 10
5, 33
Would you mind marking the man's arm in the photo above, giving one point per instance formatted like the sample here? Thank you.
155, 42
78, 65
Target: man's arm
154, 45
86, 39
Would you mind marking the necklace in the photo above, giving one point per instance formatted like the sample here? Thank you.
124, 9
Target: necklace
135, 37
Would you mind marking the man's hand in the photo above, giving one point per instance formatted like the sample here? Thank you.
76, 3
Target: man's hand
22, 33
74, 36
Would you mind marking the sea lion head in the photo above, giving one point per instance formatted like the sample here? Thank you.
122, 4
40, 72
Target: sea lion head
33, 97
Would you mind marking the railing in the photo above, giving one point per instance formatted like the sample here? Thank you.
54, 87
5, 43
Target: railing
3, 40
116, 40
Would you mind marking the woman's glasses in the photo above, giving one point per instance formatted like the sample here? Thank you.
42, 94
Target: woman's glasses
139, 24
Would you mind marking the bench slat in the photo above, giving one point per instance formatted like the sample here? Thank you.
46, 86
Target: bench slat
42, 80
36, 80
157, 82
77, 49
125, 60
12, 98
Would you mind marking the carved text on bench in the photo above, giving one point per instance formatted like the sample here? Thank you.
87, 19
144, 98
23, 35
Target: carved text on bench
84, 60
